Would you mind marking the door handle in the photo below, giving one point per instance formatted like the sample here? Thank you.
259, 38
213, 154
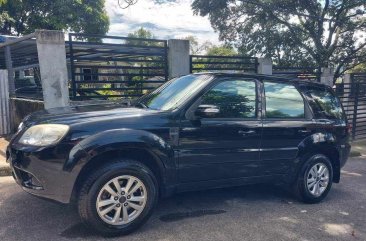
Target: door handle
304, 131
246, 132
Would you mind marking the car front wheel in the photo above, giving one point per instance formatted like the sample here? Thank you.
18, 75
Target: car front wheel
118, 198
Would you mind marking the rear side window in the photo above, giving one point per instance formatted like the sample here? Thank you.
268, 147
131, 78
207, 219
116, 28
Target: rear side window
283, 101
324, 104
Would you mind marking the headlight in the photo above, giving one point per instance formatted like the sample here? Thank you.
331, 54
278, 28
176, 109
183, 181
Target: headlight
44, 135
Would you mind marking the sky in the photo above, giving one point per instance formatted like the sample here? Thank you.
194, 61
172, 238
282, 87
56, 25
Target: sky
166, 21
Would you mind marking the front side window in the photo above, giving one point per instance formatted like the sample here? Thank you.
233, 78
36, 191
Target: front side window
173, 93
323, 103
283, 101
233, 98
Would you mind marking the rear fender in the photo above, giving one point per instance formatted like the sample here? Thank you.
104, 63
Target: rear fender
324, 143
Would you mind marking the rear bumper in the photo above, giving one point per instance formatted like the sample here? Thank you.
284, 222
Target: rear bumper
344, 154
43, 178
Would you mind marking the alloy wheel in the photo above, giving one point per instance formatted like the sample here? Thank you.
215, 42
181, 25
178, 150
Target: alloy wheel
121, 200
317, 179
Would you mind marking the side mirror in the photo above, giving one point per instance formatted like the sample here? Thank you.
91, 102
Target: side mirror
207, 111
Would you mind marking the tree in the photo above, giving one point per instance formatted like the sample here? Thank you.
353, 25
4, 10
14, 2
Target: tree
328, 33
25, 16
223, 50
359, 68
143, 34
196, 47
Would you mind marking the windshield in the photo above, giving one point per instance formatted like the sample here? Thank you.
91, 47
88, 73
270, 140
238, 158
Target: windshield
174, 92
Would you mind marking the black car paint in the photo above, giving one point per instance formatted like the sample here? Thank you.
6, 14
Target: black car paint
189, 154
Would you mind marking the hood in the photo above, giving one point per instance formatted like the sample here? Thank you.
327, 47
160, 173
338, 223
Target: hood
79, 114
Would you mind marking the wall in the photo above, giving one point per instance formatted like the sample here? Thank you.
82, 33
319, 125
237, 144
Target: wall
23, 107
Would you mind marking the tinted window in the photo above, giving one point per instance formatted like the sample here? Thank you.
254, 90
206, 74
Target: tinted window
173, 93
324, 103
235, 99
283, 101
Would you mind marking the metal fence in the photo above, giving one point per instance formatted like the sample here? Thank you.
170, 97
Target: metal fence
20, 57
4, 103
201, 63
352, 93
309, 73
115, 67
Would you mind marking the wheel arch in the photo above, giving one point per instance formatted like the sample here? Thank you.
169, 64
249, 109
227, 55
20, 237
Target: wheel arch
327, 147
142, 146
141, 155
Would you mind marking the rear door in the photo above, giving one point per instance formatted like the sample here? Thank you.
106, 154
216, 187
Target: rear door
287, 121
328, 114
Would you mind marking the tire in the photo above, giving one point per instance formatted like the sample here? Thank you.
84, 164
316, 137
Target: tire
95, 191
318, 188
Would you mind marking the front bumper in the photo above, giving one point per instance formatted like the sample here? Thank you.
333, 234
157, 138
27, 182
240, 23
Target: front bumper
40, 172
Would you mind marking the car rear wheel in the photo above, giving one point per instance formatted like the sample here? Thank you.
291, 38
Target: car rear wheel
118, 198
315, 179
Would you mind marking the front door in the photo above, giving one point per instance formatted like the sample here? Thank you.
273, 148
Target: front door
224, 143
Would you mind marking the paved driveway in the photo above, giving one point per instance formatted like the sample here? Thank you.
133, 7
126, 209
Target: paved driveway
245, 213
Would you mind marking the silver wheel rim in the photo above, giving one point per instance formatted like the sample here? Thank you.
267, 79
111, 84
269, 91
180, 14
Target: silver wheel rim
317, 179
121, 200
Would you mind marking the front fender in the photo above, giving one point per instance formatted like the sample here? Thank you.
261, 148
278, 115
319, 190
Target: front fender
118, 139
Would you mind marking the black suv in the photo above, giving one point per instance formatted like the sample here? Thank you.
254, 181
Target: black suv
195, 132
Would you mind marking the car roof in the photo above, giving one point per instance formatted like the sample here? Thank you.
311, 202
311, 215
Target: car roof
279, 78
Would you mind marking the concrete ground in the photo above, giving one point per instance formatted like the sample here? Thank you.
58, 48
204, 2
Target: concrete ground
4, 167
3, 145
359, 147
242, 213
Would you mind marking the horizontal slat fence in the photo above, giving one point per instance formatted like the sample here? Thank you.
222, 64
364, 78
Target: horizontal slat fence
204, 63
104, 67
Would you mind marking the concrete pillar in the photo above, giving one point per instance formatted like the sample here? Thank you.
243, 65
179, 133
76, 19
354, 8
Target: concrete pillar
5, 120
347, 87
327, 76
178, 57
53, 68
21, 74
265, 66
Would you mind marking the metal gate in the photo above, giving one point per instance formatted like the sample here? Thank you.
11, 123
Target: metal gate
352, 93
109, 67
200, 63
309, 73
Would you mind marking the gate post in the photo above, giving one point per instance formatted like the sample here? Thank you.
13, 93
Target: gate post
178, 57
327, 76
264, 66
4, 103
53, 68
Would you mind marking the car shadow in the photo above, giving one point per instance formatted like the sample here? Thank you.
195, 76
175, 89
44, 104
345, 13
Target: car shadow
33, 217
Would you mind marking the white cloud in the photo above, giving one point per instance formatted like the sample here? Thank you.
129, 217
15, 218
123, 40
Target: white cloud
169, 20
